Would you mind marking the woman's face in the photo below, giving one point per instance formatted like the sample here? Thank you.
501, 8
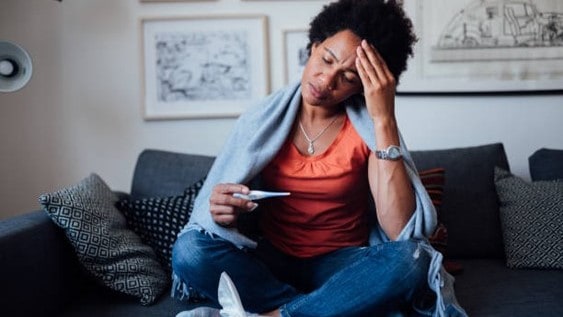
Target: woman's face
330, 75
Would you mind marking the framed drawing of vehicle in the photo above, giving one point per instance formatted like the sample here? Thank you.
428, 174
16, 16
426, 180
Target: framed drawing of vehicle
476, 46
205, 66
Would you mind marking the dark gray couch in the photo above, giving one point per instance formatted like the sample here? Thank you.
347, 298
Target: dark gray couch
39, 273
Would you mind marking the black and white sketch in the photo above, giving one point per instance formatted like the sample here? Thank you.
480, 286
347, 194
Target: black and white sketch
492, 24
485, 46
204, 66
296, 53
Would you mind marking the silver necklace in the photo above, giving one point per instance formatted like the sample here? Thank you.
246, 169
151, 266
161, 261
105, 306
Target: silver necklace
311, 148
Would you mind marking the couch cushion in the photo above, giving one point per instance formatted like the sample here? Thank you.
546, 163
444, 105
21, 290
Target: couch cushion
96, 302
531, 215
546, 164
469, 209
162, 173
105, 247
158, 220
488, 288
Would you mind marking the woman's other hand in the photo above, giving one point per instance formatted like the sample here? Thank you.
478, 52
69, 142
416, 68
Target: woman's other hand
225, 208
378, 82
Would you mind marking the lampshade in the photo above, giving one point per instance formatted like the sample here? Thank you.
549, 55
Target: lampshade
15, 67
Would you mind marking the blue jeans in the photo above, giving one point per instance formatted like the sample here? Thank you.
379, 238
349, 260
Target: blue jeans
354, 281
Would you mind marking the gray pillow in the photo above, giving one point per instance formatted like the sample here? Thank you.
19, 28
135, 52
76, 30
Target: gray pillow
531, 216
469, 208
114, 255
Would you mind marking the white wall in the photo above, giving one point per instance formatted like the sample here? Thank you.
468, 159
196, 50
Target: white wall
81, 112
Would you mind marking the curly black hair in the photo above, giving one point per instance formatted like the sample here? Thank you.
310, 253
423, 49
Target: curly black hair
381, 23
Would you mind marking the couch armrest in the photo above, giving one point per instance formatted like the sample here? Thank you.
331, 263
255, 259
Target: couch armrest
37, 266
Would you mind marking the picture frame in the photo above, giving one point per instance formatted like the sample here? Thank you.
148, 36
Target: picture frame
295, 53
203, 66
175, 0
471, 46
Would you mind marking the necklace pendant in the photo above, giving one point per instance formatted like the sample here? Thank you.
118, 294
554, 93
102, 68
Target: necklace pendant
310, 148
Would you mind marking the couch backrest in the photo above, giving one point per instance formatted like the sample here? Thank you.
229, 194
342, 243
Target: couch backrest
162, 173
470, 207
546, 164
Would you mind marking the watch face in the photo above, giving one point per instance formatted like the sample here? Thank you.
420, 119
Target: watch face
394, 152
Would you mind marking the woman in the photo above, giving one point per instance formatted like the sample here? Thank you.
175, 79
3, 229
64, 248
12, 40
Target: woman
350, 239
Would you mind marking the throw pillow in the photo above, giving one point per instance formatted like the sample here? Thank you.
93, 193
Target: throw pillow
114, 255
470, 204
159, 220
531, 216
433, 180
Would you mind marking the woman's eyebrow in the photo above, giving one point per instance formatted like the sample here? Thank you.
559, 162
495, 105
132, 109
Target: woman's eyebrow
328, 50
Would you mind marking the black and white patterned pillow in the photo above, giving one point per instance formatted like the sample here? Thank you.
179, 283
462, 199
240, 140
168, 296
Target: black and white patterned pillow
158, 220
108, 250
531, 216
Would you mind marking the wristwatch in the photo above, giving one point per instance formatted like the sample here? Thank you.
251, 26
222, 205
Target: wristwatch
392, 153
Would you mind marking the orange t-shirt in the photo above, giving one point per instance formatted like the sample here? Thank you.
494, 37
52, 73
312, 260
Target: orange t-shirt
328, 206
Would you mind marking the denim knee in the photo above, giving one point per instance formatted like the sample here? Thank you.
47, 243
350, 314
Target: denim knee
409, 257
192, 275
185, 256
413, 256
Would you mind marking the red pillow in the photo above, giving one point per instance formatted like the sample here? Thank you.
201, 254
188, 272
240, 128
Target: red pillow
433, 180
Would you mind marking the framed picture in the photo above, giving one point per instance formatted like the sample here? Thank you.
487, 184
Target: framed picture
480, 46
295, 53
174, 0
197, 67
